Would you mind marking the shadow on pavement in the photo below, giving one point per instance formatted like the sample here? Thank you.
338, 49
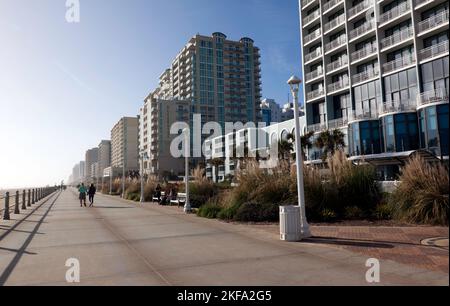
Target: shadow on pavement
349, 242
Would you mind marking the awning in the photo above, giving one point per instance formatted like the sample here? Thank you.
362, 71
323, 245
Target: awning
397, 158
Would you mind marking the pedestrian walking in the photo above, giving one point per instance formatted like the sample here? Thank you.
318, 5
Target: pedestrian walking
91, 192
82, 190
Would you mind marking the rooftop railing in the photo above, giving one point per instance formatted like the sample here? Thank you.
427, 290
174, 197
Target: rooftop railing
433, 21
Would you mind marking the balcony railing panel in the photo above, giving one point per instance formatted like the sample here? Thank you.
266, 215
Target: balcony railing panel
341, 40
318, 127
439, 95
433, 22
337, 64
337, 123
395, 12
398, 64
397, 106
363, 115
366, 75
334, 23
311, 17
310, 37
366, 27
436, 50
357, 55
397, 38
359, 8
313, 55
338, 85
327, 5
315, 74
315, 94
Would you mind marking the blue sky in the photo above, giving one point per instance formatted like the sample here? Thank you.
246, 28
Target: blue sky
63, 86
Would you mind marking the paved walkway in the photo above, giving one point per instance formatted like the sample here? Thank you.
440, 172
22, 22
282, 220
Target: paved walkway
118, 243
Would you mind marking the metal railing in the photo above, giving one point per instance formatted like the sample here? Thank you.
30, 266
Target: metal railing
334, 23
433, 21
337, 123
326, 6
357, 55
359, 8
315, 94
306, 2
397, 38
310, 37
433, 51
318, 127
363, 29
366, 75
16, 201
343, 61
356, 115
397, 106
439, 95
395, 12
313, 55
398, 64
341, 40
314, 74
311, 17
420, 2
338, 85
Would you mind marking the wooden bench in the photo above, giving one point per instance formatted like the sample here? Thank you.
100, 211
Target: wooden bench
156, 199
180, 200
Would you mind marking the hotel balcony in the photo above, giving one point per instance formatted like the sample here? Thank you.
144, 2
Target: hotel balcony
361, 115
335, 44
436, 96
364, 53
307, 3
418, 4
397, 39
432, 23
310, 18
434, 51
397, 107
337, 123
359, 8
365, 76
313, 95
333, 24
338, 86
312, 37
313, 75
317, 128
330, 5
310, 57
337, 65
362, 30
398, 64
394, 13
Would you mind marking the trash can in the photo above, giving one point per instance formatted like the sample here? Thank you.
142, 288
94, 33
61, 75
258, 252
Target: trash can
290, 227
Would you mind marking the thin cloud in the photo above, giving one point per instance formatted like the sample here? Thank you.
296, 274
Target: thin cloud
74, 78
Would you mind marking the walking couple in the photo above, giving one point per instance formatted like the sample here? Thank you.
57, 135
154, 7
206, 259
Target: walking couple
91, 192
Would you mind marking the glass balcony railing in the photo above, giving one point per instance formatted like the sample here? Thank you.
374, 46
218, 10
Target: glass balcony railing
433, 51
398, 64
341, 40
315, 94
439, 95
334, 23
312, 36
366, 114
397, 38
313, 55
314, 74
397, 106
311, 17
361, 30
420, 2
318, 127
342, 84
327, 5
359, 8
357, 55
433, 22
337, 64
395, 12
305, 3
366, 75
337, 123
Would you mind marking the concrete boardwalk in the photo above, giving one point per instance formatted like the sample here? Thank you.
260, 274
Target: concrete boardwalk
119, 243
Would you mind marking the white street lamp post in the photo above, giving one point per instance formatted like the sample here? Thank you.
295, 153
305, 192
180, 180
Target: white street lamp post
144, 157
187, 205
294, 82
123, 179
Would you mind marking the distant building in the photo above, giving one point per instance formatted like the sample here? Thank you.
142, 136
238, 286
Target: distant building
90, 159
104, 156
124, 144
270, 111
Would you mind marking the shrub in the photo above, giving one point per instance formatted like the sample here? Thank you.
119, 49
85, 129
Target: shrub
210, 210
328, 215
423, 194
383, 211
257, 212
353, 213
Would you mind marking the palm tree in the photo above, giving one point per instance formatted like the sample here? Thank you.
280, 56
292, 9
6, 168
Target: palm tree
285, 149
330, 142
305, 142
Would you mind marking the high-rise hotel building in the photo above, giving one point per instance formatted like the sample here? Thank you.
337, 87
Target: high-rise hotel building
378, 70
212, 76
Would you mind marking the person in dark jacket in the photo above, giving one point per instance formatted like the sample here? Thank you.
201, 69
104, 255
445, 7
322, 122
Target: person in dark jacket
91, 192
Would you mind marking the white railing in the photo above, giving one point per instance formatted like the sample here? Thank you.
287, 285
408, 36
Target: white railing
397, 106
334, 23
397, 38
313, 55
433, 21
315, 94
310, 37
398, 64
420, 2
433, 51
363, 29
439, 95
326, 6
306, 2
368, 114
338, 85
341, 40
337, 64
311, 17
314, 74
357, 55
337, 123
395, 12
366, 75
318, 127
359, 8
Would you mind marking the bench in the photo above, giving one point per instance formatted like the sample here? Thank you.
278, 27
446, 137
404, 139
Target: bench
155, 199
180, 200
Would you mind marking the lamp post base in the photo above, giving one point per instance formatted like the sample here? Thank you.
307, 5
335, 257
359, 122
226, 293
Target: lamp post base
305, 232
